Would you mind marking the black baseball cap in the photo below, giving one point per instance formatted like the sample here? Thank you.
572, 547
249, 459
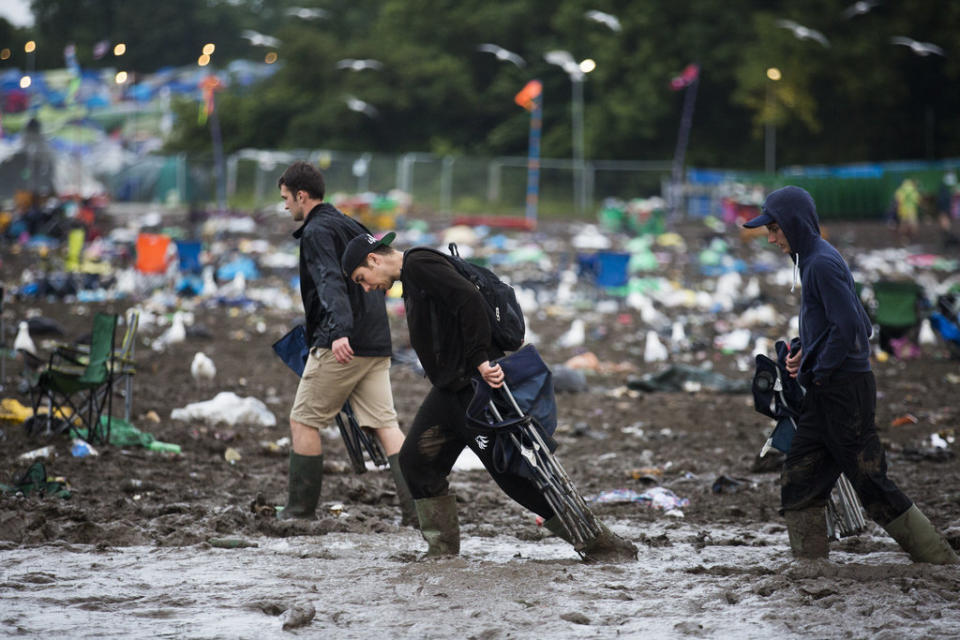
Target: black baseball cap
761, 220
359, 248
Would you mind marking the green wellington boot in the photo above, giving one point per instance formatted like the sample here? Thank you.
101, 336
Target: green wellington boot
408, 512
439, 525
807, 529
304, 484
606, 547
914, 533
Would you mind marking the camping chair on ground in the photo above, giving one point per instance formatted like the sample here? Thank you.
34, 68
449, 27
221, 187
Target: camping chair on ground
78, 386
898, 310
518, 422
125, 358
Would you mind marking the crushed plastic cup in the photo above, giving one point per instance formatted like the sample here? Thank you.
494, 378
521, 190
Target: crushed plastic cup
80, 448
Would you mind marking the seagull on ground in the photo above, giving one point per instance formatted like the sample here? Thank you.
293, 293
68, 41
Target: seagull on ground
608, 20
259, 39
575, 335
919, 48
202, 368
653, 349
359, 65
176, 334
23, 341
502, 54
306, 14
804, 33
859, 8
358, 105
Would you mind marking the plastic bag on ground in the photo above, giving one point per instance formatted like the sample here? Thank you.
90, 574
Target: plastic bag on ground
229, 408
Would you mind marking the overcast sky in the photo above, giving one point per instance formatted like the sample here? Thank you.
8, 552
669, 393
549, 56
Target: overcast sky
17, 12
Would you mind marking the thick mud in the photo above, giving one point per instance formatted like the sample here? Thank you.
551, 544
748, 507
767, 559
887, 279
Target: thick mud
132, 552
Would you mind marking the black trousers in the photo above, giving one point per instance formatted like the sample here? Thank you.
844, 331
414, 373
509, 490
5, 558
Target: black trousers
837, 433
434, 442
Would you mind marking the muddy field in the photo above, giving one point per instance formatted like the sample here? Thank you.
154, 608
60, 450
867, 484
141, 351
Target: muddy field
129, 554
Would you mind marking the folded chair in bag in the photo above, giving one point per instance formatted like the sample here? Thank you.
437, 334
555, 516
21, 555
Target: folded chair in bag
292, 348
778, 396
80, 385
518, 421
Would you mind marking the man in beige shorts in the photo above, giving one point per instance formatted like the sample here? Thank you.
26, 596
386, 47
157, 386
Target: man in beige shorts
350, 348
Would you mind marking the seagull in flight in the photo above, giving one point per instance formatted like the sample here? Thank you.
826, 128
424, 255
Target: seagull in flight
919, 48
503, 54
859, 8
259, 39
306, 14
608, 20
359, 65
358, 105
804, 33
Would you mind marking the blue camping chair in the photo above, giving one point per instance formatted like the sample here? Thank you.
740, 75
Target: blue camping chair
519, 420
188, 252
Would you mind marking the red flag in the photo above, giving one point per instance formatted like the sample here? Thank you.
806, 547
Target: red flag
686, 77
528, 94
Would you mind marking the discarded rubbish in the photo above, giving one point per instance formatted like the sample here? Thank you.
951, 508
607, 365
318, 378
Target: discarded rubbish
81, 449
231, 543
35, 480
907, 418
231, 455
42, 452
674, 378
728, 484
657, 497
227, 407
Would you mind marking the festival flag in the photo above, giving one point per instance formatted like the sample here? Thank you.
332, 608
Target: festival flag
208, 85
686, 77
525, 98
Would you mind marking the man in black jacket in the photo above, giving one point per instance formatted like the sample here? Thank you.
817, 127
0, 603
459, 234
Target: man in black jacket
451, 334
349, 338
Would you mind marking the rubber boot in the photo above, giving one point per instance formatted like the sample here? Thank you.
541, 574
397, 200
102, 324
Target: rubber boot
914, 533
439, 525
807, 529
605, 547
304, 484
408, 512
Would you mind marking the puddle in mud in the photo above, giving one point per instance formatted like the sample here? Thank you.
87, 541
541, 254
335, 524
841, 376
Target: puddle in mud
688, 582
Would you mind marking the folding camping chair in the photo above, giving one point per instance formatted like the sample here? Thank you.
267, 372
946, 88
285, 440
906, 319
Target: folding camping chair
80, 391
125, 358
518, 423
778, 396
292, 348
898, 309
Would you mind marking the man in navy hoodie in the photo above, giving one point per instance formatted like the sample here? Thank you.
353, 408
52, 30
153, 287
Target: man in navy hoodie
836, 431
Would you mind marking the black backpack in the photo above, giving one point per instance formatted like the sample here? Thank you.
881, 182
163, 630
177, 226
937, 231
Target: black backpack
503, 310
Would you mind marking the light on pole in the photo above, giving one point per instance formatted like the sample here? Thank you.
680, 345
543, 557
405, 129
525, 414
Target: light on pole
770, 136
576, 71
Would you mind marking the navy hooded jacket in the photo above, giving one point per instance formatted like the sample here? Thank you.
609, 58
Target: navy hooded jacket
834, 327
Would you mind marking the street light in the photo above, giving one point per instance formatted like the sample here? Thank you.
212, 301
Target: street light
770, 137
577, 72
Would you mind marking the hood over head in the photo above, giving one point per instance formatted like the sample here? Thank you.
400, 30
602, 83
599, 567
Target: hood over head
794, 211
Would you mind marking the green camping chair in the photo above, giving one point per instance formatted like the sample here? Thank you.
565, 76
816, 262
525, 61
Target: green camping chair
79, 385
125, 358
898, 309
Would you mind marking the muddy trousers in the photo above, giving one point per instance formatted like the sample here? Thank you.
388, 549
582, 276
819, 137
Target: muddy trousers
836, 433
434, 442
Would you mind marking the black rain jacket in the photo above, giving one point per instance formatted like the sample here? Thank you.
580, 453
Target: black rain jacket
334, 306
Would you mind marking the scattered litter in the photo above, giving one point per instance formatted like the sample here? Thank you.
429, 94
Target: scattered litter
231, 543
42, 452
227, 407
728, 484
907, 418
231, 455
80, 448
657, 497
676, 377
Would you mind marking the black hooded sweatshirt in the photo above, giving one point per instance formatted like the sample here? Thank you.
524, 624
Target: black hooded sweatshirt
834, 326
